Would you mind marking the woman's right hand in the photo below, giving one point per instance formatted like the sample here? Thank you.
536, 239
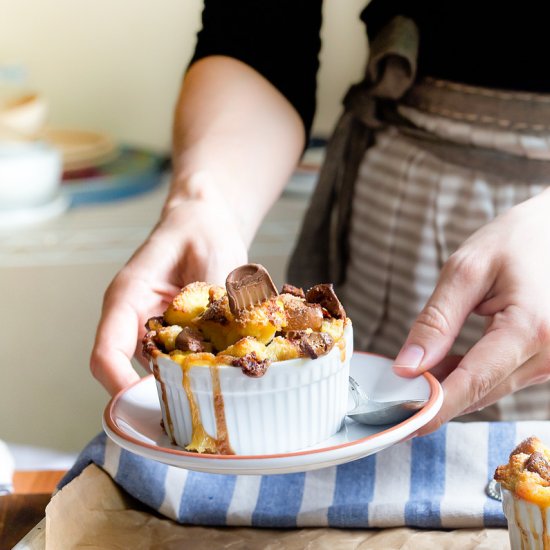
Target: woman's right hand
196, 239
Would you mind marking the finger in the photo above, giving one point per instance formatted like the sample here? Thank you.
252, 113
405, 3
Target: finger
462, 285
535, 371
499, 353
119, 331
110, 359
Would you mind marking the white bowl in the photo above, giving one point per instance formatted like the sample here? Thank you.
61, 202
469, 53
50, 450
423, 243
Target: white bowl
24, 115
527, 523
30, 174
295, 404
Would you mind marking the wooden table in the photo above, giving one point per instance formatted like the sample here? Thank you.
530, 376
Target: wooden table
22, 510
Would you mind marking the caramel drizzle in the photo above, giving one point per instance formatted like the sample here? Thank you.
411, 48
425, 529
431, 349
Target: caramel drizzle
224, 446
532, 525
342, 347
524, 535
201, 440
545, 538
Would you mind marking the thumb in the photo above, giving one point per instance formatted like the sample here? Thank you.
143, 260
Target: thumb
456, 295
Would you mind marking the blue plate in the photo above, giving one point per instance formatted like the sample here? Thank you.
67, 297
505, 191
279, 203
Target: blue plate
132, 172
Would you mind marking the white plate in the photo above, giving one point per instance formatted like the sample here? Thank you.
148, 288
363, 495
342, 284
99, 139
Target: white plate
132, 420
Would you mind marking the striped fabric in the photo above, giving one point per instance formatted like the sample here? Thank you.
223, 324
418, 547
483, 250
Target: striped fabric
532, 146
410, 211
437, 481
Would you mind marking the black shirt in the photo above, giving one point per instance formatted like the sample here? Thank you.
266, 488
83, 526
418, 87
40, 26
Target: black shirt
482, 42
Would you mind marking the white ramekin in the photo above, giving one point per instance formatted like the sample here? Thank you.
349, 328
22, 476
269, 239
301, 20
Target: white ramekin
295, 404
528, 523
30, 175
23, 114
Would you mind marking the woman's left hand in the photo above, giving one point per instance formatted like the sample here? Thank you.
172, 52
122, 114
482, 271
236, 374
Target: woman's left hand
503, 273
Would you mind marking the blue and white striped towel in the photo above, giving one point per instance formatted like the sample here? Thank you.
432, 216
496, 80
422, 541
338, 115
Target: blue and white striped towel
437, 481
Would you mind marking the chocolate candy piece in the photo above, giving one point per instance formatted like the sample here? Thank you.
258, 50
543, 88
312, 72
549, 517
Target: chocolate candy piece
215, 312
527, 446
325, 296
247, 286
301, 315
294, 290
251, 365
315, 344
190, 339
149, 346
311, 344
538, 464
295, 334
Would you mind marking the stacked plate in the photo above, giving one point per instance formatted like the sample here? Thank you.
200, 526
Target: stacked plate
131, 172
96, 169
44, 170
81, 150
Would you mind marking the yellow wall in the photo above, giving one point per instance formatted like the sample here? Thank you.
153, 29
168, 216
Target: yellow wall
115, 65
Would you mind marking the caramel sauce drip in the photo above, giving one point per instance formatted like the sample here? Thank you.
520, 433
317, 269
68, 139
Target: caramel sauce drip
341, 343
224, 446
545, 537
201, 441
524, 537
534, 533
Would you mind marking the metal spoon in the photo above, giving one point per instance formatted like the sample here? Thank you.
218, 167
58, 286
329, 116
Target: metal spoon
377, 413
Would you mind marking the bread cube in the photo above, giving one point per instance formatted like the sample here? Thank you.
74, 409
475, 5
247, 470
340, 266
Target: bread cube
334, 327
190, 302
246, 346
262, 321
166, 336
281, 349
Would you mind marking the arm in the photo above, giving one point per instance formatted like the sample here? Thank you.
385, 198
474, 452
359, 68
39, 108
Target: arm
236, 142
234, 129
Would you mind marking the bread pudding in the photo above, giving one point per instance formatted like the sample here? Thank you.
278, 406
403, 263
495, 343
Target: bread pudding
248, 370
525, 483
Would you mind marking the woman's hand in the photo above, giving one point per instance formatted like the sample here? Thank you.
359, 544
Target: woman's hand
503, 273
236, 142
197, 239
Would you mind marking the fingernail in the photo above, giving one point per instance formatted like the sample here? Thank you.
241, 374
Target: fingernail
409, 357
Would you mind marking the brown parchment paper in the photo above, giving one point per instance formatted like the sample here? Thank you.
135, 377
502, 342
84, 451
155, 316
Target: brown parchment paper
92, 512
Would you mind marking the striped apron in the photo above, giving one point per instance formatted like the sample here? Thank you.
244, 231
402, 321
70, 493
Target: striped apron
413, 169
